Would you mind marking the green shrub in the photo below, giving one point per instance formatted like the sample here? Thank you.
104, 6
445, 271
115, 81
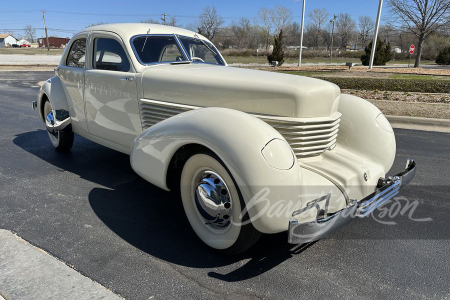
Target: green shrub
278, 51
383, 54
443, 58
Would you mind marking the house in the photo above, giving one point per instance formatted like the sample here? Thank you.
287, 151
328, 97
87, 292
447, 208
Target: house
55, 42
23, 42
7, 40
396, 49
296, 47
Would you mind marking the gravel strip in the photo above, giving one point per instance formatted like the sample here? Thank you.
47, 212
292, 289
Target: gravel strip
21, 59
413, 109
443, 98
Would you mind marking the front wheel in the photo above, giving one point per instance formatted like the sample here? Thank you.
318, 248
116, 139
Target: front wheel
61, 140
213, 205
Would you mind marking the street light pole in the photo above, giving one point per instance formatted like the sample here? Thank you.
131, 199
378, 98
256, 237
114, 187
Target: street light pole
374, 43
301, 35
332, 35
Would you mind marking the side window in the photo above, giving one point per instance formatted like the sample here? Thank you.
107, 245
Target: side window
109, 55
77, 54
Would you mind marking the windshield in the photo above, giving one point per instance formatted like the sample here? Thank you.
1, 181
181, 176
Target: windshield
155, 49
201, 51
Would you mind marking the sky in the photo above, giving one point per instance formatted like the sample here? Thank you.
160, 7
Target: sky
64, 18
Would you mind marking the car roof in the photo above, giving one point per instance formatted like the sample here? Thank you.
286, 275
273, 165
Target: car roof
128, 30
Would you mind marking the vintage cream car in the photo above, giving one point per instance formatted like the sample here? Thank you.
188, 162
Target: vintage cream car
250, 151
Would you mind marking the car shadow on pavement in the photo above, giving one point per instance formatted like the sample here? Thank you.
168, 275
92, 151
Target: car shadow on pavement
148, 217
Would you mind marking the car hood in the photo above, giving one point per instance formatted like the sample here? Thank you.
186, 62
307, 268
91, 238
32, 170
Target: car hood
252, 91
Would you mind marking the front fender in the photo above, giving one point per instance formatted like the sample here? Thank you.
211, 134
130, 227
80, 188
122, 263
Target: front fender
54, 91
366, 132
236, 138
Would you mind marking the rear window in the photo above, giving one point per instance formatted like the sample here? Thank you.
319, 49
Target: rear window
77, 54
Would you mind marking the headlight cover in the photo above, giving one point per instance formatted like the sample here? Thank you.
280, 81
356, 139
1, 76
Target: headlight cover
278, 154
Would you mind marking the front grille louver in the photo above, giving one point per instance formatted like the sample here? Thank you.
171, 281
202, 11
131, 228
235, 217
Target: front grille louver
306, 137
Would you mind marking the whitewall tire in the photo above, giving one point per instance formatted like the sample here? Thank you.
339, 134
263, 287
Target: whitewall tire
61, 140
213, 205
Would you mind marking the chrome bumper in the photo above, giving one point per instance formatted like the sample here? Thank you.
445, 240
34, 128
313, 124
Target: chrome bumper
299, 233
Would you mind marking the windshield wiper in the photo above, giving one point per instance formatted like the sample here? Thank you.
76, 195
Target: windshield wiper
145, 42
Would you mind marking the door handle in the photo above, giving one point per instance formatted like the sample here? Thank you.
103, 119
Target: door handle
127, 78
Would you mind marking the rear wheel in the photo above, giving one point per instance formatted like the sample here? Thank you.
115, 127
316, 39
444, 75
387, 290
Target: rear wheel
61, 140
213, 205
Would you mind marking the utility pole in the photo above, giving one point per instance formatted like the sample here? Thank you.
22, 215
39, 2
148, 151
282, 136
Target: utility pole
163, 18
374, 43
45, 28
301, 36
332, 35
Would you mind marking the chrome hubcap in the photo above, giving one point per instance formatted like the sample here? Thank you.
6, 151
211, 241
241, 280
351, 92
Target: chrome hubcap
50, 122
213, 200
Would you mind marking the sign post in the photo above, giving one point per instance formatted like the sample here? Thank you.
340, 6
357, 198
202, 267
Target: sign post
411, 51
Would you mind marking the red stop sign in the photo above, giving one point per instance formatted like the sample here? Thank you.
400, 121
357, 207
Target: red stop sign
411, 49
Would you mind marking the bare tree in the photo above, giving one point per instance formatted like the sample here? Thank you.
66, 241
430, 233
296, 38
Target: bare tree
210, 21
292, 37
95, 24
388, 33
30, 33
265, 20
365, 26
151, 21
421, 17
241, 31
281, 16
170, 21
318, 18
345, 28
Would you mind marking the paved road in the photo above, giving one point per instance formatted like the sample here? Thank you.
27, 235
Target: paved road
89, 209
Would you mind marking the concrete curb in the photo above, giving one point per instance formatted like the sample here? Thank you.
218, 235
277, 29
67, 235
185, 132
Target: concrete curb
28, 272
419, 123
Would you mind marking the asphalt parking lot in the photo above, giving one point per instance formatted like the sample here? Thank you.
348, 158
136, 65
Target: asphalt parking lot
89, 209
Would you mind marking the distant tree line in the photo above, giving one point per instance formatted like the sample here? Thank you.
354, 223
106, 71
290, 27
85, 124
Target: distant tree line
425, 23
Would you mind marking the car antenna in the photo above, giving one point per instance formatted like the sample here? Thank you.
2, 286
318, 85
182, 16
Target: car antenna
145, 42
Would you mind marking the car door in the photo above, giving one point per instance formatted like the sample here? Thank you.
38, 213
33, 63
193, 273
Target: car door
112, 108
71, 73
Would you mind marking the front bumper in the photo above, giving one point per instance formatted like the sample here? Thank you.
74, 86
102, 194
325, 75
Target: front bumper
325, 225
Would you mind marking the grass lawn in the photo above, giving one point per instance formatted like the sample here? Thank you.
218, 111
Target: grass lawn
417, 77
30, 51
